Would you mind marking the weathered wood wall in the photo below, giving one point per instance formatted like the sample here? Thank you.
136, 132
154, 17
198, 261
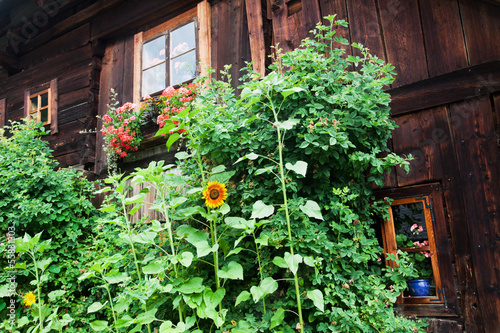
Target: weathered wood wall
69, 59
446, 54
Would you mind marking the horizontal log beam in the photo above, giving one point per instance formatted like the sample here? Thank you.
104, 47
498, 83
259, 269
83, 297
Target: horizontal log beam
9, 62
128, 16
459, 85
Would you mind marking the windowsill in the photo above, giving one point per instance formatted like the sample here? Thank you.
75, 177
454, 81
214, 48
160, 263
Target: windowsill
424, 310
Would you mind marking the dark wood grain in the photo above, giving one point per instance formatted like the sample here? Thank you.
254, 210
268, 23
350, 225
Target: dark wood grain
457, 224
443, 36
481, 25
479, 160
420, 135
364, 26
403, 40
64, 64
64, 44
256, 31
451, 87
440, 325
129, 15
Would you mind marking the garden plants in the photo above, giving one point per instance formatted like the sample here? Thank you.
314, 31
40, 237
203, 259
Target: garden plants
267, 223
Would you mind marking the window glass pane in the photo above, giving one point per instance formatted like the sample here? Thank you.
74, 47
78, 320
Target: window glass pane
44, 115
182, 39
153, 52
409, 224
34, 103
44, 100
153, 79
183, 68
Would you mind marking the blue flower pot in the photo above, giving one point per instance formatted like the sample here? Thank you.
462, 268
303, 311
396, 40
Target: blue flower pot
419, 287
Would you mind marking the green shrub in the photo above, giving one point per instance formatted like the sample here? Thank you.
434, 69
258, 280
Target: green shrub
35, 196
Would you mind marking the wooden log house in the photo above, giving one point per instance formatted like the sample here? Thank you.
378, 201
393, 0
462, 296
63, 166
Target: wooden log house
60, 58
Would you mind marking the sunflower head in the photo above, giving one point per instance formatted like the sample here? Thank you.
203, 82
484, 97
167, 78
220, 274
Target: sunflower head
29, 299
214, 194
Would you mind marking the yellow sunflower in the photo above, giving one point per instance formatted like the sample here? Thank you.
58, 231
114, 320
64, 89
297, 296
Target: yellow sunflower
214, 194
29, 299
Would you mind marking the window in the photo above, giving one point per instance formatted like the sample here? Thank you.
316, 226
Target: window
40, 103
169, 59
417, 226
169, 53
39, 107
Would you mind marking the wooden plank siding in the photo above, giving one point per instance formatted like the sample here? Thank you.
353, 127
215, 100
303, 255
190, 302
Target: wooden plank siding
478, 161
481, 25
230, 38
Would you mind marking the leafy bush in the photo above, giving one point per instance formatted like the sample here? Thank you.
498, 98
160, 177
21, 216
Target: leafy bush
36, 197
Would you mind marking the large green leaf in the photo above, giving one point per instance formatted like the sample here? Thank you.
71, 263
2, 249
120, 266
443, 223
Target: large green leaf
277, 318
242, 297
312, 209
288, 92
261, 210
154, 268
194, 285
96, 306
233, 271
99, 325
146, 317
299, 167
293, 262
317, 297
146, 237
213, 299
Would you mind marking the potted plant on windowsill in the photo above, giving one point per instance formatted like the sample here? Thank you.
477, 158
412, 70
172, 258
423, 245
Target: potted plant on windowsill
420, 256
422, 286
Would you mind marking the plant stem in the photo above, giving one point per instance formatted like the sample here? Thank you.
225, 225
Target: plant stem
213, 231
260, 270
171, 239
110, 299
129, 232
287, 215
40, 316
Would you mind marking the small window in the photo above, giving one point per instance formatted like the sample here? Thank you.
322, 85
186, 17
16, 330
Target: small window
40, 103
410, 230
39, 107
169, 59
417, 226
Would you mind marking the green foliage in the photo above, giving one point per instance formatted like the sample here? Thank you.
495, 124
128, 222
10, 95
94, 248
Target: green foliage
34, 196
309, 140
293, 247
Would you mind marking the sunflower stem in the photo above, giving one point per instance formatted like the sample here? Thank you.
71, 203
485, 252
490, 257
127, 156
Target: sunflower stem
213, 231
287, 213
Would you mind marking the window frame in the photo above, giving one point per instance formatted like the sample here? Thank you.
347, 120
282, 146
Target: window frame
51, 89
39, 107
200, 13
168, 58
430, 195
